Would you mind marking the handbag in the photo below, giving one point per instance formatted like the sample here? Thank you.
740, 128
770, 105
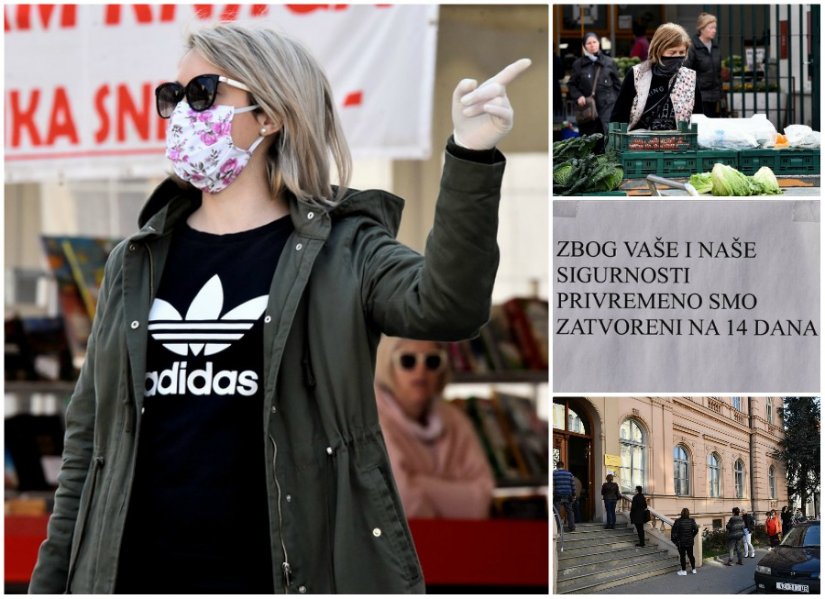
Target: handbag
647, 515
588, 113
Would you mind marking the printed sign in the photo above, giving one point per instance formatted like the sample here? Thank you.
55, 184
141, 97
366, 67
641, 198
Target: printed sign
80, 79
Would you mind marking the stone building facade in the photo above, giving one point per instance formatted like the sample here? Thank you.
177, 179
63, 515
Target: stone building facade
709, 454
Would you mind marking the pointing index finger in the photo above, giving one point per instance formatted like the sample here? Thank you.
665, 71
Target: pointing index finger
510, 72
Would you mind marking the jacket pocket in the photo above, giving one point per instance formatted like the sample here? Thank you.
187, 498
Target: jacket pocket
83, 516
390, 527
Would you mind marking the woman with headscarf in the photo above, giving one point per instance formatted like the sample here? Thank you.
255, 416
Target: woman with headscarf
660, 92
594, 70
705, 58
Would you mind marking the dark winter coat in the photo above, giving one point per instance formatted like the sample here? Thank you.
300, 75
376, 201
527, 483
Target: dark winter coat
749, 523
708, 67
610, 491
683, 532
736, 528
581, 84
637, 509
342, 279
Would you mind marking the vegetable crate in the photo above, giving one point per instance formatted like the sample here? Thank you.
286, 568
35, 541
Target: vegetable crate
638, 165
781, 162
705, 159
684, 140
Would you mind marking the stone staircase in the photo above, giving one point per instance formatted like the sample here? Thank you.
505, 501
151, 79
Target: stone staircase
595, 559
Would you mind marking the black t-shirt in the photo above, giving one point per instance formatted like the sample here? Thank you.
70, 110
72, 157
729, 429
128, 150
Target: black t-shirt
198, 518
658, 114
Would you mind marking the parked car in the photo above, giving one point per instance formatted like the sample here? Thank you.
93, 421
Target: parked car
793, 565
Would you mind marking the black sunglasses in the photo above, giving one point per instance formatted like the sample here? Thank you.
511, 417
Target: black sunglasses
433, 361
200, 93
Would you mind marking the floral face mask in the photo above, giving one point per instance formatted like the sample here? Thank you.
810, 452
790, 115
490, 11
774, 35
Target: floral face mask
201, 149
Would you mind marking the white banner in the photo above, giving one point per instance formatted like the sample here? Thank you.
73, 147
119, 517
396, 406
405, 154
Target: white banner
80, 79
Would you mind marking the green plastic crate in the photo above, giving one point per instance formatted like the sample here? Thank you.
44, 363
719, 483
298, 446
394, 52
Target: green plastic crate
707, 158
684, 140
751, 161
798, 162
638, 165
615, 192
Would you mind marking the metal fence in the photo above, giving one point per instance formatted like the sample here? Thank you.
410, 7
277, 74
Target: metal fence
762, 37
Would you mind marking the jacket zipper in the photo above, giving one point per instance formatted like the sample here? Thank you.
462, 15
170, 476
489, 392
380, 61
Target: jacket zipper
151, 273
285, 566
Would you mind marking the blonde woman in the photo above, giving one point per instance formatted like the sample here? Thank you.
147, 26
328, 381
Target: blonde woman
437, 460
659, 92
223, 435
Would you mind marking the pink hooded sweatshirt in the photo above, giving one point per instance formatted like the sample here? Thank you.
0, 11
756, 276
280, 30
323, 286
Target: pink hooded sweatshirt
440, 469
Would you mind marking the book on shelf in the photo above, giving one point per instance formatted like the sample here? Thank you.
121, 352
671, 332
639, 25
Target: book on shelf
514, 339
77, 264
510, 432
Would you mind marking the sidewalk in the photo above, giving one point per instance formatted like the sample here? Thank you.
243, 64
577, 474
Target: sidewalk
712, 577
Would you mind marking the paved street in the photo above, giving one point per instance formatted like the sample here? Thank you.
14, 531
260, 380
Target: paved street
713, 577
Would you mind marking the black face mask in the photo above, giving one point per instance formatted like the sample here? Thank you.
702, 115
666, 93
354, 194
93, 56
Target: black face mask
668, 66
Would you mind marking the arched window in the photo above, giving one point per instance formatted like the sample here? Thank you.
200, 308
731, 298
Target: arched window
713, 475
772, 482
633, 443
737, 403
567, 418
769, 412
739, 478
681, 470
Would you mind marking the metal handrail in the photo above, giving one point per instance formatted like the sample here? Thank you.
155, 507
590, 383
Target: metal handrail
652, 180
557, 517
654, 514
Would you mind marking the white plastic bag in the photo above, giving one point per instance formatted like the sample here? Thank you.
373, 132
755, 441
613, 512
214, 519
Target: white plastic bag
802, 136
733, 134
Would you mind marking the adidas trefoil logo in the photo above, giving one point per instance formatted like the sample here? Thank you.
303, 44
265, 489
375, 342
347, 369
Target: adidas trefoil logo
203, 329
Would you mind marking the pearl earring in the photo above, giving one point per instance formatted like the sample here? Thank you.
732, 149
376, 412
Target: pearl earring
263, 130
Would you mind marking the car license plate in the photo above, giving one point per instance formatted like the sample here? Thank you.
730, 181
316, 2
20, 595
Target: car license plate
790, 586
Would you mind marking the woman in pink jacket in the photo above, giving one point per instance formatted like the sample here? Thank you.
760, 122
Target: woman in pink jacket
437, 461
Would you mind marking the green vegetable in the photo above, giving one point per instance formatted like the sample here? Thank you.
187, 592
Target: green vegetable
766, 181
561, 175
727, 181
702, 182
576, 147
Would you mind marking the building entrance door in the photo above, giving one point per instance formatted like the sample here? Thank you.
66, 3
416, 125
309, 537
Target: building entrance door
573, 445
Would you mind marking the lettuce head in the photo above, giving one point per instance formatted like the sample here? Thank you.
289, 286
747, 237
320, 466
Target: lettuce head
766, 181
727, 181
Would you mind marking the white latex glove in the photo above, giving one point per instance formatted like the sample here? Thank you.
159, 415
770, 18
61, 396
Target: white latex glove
482, 114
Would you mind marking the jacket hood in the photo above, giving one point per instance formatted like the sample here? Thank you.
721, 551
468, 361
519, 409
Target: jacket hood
171, 201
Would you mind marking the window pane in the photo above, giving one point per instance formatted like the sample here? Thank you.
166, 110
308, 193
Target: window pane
558, 416
575, 423
637, 433
624, 431
812, 536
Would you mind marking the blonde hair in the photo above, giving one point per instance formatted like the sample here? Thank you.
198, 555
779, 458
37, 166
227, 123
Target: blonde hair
667, 36
291, 88
385, 369
703, 20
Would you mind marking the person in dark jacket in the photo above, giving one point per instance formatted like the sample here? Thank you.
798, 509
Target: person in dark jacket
637, 515
581, 84
264, 469
750, 528
705, 58
564, 493
682, 534
610, 495
736, 530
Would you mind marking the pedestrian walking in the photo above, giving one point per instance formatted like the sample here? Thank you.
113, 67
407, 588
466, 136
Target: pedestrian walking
610, 495
564, 493
750, 528
682, 534
639, 514
736, 530
798, 517
594, 75
773, 528
705, 58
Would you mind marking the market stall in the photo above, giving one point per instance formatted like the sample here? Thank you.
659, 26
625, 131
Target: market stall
720, 157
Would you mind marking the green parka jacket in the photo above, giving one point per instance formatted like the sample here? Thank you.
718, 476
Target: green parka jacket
336, 521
